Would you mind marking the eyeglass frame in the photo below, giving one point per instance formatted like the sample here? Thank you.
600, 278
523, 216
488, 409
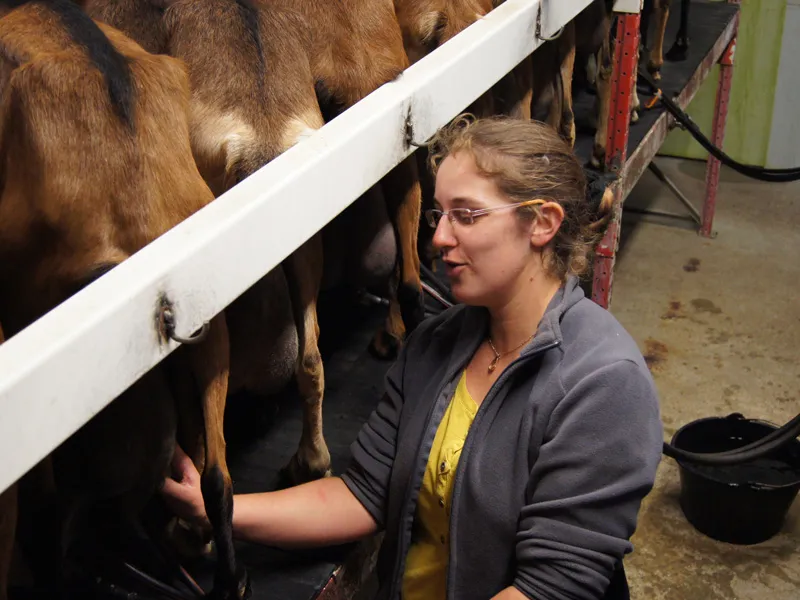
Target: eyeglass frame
429, 214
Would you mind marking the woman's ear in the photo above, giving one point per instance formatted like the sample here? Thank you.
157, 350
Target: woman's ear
546, 224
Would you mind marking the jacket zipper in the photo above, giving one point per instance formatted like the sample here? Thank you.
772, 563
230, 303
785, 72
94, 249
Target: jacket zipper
468, 445
397, 586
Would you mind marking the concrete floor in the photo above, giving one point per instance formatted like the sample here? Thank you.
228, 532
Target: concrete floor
719, 321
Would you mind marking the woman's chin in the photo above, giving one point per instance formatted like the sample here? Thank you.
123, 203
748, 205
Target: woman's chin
462, 295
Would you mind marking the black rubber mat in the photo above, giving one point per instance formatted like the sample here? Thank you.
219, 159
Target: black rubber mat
707, 22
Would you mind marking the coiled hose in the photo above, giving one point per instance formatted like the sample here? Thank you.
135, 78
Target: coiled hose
762, 174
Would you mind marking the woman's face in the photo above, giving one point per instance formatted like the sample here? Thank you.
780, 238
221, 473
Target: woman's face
488, 260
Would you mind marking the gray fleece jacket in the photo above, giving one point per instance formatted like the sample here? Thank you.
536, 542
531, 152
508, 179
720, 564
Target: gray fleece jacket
557, 461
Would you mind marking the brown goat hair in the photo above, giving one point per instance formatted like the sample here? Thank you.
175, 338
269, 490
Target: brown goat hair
96, 163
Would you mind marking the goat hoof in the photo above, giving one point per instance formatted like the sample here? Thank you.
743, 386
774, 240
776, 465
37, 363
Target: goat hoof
384, 346
297, 472
598, 159
189, 541
678, 52
654, 70
240, 591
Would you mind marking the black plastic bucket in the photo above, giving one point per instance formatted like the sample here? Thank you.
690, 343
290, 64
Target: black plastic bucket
739, 504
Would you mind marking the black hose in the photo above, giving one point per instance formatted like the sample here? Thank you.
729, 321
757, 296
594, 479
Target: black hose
762, 174
743, 454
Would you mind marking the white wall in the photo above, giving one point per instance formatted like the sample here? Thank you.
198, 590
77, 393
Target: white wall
784, 143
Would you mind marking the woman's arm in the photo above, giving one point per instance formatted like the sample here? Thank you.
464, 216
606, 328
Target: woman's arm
599, 460
318, 513
324, 512
510, 593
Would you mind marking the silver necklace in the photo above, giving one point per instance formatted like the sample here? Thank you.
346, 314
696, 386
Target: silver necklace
497, 355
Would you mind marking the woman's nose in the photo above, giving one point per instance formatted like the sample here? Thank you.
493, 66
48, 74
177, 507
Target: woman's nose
444, 237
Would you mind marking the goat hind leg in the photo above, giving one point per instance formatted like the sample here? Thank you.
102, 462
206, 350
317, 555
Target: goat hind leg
603, 103
656, 58
210, 365
680, 48
567, 59
304, 272
404, 201
513, 94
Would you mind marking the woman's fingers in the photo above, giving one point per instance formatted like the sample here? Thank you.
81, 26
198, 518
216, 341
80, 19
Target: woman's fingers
183, 468
178, 491
182, 491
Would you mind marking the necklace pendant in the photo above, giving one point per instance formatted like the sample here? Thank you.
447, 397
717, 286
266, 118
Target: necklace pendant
493, 364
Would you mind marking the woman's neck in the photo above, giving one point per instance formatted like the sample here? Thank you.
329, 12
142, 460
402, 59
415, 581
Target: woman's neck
516, 320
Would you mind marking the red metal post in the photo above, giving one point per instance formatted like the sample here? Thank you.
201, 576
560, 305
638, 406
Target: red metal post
622, 82
717, 137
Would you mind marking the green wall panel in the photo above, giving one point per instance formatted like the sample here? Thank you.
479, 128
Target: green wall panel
755, 74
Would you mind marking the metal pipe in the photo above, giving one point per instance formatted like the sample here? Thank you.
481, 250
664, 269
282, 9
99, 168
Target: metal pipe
435, 294
656, 213
674, 189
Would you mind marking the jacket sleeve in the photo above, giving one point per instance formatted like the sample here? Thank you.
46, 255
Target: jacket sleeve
373, 451
598, 460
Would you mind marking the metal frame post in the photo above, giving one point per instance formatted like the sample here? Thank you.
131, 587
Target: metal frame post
717, 137
625, 57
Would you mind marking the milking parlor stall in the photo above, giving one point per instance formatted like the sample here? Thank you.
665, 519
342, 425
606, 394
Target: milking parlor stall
105, 364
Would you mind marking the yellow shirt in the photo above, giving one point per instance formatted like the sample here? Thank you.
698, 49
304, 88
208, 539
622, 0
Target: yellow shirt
425, 577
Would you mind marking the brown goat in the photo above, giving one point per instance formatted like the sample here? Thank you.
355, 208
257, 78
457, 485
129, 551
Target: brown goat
594, 55
552, 65
583, 53
355, 47
427, 24
253, 97
655, 53
96, 163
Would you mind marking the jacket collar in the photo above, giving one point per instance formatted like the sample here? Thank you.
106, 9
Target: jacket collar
475, 323
549, 332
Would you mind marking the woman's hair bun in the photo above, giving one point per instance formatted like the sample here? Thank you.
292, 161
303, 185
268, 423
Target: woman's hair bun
600, 198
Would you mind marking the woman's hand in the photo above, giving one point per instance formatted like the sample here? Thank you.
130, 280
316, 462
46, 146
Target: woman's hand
182, 493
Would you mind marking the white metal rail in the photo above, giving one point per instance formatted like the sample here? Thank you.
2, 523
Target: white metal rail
63, 369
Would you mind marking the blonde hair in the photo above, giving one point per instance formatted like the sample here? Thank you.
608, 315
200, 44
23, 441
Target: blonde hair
529, 160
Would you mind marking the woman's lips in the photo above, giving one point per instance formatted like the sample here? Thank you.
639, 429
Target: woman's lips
453, 269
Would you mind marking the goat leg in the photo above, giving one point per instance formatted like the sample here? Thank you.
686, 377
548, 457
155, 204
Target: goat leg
680, 48
304, 273
656, 59
603, 103
404, 201
210, 365
513, 94
566, 54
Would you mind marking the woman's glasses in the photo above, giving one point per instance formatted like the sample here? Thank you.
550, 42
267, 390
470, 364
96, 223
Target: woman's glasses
467, 216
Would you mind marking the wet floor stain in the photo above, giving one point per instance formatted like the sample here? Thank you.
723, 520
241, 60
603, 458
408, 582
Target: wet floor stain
674, 311
731, 390
692, 265
705, 306
655, 353
719, 337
